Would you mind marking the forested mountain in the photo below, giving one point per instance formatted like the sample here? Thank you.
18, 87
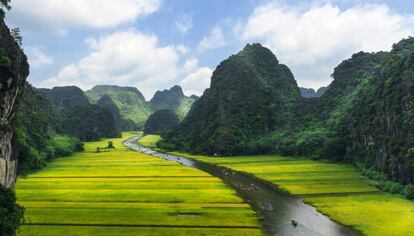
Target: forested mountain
39, 136
75, 115
131, 104
311, 93
172, 99
161, 121
66, 97
250, 94
366, 115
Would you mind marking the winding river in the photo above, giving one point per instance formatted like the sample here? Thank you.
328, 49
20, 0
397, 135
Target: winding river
275, 207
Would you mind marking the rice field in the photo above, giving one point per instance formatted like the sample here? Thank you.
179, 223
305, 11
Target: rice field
124, 192
337, 190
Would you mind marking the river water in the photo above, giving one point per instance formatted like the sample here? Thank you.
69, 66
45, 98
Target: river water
275, 208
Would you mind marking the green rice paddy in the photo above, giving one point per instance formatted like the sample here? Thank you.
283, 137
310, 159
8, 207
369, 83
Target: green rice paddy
124, 192
336, 190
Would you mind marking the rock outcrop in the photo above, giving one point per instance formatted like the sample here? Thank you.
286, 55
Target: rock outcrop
14, 70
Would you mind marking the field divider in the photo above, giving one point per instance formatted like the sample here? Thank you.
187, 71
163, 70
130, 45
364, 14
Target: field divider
145, 226
345, 194
116, 177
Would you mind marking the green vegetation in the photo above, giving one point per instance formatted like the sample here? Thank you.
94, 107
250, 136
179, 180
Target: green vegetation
74, 115
11, 214
124, 192
89, 123
250, 94
131, 104
65, 98
38, 135
161, 121
150, 140
365, 116
172, 99
336, 190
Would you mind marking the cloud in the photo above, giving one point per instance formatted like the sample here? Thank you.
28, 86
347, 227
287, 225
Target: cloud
216, 39
196, 82
132, 58
37, 58
126, 58
184, 23
59, 16
314, 39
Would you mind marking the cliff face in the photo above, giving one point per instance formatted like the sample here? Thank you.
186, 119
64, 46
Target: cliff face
379, 126
14, 70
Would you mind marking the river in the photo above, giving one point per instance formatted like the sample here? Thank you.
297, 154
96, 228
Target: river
279, 212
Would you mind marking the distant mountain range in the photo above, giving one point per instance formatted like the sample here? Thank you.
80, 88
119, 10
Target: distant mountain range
311, 93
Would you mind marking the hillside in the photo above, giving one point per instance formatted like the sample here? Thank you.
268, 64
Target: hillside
74, 115
131, 104
161, 121
172, 99
66, 97
39, 134
253, 106
250, 94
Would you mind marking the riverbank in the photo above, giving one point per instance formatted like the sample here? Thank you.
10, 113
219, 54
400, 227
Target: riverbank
336, 190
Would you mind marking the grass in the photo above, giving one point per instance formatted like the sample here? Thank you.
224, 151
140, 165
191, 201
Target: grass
337, 190
149, 140
124, 192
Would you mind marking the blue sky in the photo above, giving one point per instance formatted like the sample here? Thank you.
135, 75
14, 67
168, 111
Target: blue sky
155, 44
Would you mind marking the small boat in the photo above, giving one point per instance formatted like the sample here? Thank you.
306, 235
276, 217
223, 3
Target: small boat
267, 207
294, 223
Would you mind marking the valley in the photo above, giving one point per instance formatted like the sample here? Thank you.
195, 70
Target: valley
336, 190
124, 192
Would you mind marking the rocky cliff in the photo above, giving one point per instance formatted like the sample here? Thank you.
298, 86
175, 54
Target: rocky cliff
14, 70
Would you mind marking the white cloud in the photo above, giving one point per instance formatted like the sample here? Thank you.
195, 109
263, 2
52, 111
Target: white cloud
197, 81
137, 61
190, 64
61, 15
216, 39
37, 58
184, 23
314, 40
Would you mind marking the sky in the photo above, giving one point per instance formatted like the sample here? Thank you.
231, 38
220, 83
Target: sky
155, 44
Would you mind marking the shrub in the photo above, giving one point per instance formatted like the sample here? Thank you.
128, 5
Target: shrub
409, 191
11, 214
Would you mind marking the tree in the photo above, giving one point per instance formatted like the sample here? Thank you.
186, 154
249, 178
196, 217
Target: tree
15, 33
11, 214
4, 5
